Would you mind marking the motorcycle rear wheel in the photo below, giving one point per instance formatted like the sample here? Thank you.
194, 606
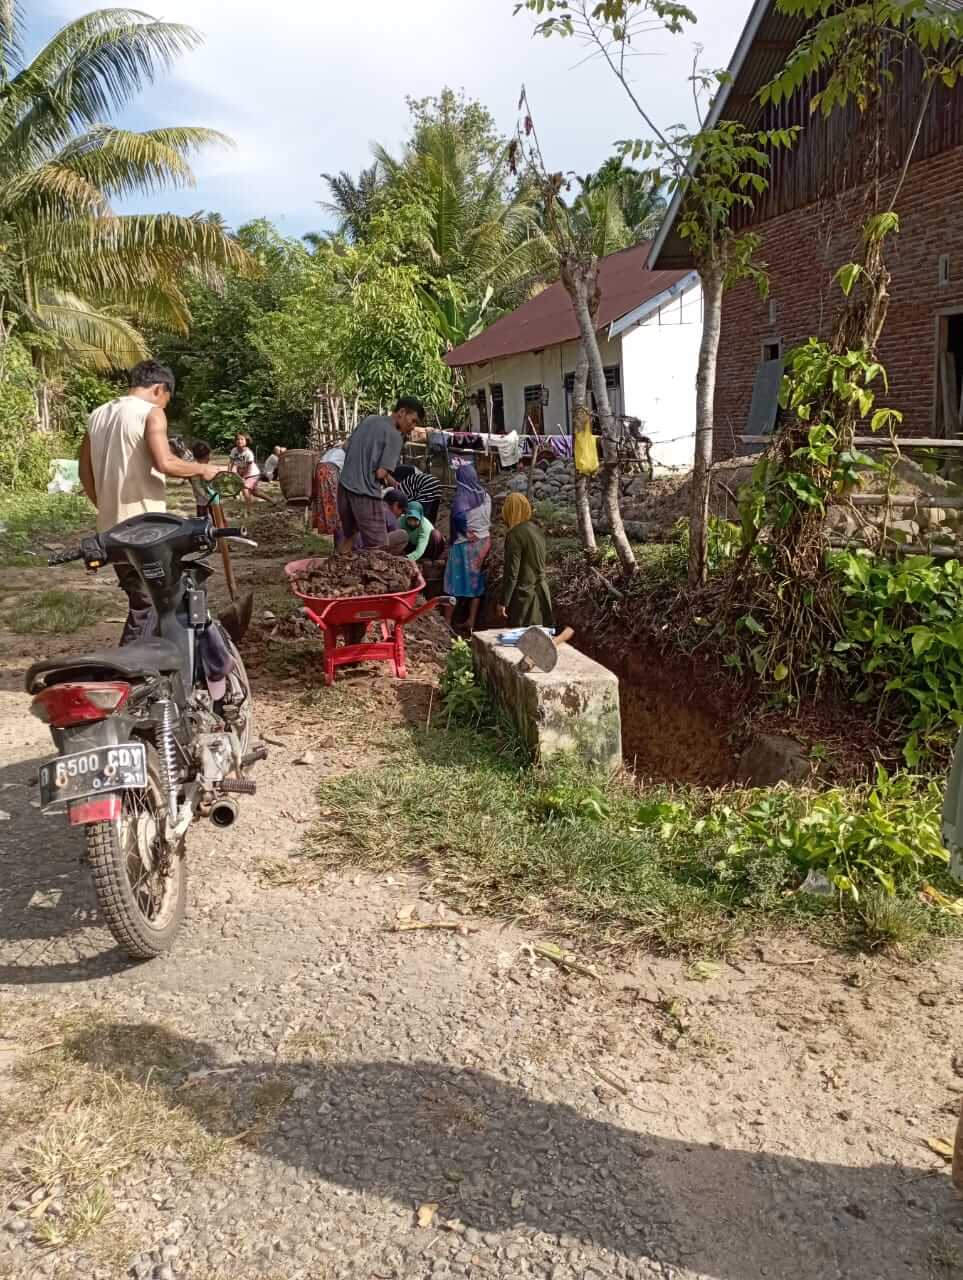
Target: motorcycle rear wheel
141, 884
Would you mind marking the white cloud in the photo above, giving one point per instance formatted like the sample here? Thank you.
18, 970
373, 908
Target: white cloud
305, 87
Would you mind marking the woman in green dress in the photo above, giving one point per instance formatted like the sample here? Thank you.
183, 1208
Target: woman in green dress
526, 598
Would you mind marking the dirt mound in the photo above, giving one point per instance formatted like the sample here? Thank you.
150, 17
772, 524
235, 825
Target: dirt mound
371, 573
427, 641
278, 530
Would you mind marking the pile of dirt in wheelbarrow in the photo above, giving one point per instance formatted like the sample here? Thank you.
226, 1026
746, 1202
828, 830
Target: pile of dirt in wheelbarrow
370, 573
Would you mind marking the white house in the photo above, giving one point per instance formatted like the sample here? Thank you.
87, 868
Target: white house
521, 370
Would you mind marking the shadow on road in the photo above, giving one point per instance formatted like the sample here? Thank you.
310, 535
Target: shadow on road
47, 928
493, 1157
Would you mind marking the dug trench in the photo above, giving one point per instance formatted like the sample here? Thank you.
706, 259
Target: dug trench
675, 727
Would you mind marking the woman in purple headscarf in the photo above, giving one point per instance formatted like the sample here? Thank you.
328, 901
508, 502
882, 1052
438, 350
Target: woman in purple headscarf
471, 522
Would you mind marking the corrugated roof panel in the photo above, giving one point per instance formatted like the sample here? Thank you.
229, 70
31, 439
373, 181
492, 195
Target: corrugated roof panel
549, 318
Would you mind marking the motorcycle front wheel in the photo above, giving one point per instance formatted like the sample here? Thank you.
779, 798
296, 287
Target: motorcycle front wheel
140, 882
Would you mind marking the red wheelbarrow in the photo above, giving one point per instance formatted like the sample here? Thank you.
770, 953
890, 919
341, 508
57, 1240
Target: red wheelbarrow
335, 616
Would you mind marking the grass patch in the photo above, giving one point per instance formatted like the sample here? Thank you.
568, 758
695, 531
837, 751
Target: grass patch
57, 612
318, 544
585, 856
95, 1102
31, 519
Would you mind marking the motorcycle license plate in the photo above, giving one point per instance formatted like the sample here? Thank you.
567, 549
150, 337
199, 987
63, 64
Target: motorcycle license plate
91, 773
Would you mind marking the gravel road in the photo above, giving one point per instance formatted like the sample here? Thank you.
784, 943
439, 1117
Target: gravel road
448, 1103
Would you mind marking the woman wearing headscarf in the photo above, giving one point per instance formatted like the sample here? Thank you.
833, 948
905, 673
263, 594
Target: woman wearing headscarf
471, 522
526, 597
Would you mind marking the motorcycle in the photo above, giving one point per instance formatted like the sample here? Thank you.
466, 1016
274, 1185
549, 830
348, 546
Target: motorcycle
153, 736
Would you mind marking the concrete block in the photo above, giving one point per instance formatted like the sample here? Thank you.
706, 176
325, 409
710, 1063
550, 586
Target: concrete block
574, 708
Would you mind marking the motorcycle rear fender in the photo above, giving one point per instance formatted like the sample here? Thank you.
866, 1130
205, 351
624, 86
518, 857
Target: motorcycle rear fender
112, 731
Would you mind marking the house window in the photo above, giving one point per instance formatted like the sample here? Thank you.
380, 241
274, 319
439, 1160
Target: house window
613, 383
498, 407
481, 400
534, 410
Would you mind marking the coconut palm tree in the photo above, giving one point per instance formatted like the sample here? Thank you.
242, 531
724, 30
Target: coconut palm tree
77, 272
597, 222
640, 192
462, 225
353, 202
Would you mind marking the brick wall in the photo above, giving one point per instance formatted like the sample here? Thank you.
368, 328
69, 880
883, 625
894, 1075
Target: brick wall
805, 248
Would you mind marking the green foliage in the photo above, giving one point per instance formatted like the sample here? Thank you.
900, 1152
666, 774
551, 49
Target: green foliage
226, 381
723, 541
389, 343
639, 193
824, 391
24, 452
562, 844
902, 645
81, 392
881, 836
451, 208
568, 801
30, 519
836, 49
466, 702
717, 170
80, 271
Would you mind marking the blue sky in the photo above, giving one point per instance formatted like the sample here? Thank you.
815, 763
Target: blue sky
305, 86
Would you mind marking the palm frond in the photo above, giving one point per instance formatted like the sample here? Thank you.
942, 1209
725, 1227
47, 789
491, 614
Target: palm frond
10, 32
92, 336
90, 69
122, 163
52, 192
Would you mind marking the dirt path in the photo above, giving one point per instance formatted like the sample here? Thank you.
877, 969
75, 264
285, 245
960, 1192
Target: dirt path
766, 1121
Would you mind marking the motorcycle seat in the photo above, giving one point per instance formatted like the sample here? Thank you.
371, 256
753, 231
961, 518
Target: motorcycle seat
143, 659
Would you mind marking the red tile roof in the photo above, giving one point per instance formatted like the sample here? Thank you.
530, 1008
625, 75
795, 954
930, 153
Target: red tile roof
549, 318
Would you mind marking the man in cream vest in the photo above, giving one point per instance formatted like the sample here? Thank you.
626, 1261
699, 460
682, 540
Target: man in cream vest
124, 459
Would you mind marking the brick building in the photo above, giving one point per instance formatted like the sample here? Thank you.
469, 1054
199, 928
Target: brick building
809, 223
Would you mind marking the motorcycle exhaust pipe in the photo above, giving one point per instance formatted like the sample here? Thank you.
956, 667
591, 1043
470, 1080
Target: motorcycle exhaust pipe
224, 814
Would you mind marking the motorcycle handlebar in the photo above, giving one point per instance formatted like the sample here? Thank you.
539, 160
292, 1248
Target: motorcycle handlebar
65, 557
232, 532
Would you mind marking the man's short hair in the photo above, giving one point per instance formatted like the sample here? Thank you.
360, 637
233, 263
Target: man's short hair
411, 405
149, 373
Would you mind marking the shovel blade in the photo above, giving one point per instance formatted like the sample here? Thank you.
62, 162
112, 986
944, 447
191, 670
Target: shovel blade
236, 618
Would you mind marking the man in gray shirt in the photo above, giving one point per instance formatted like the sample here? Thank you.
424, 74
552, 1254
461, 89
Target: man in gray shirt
371, 454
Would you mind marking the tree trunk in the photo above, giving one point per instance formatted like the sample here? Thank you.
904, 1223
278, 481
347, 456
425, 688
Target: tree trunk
581, 281
712, 288
582, 421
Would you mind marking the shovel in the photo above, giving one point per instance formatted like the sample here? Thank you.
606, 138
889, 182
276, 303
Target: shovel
236, 618
540, 650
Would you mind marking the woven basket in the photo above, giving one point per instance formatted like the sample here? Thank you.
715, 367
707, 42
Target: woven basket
296, 473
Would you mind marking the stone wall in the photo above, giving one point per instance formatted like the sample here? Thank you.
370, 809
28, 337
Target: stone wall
574, 708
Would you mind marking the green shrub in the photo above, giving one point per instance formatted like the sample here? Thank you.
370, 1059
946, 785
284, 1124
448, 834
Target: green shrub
885, 836
28, 519
466, 702
24, 452
82, 392
723, 541
902, 647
